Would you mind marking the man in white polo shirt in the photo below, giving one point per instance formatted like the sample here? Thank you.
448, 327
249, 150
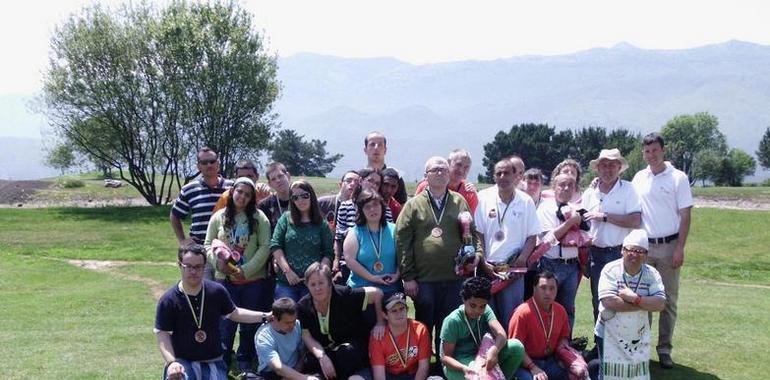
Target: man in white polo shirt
666, 201
506, 219
613, 211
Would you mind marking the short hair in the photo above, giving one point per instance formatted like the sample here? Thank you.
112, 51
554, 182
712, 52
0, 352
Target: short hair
315, 211
506, 161
518, 163
435, 159
195, 249
534, 173
246, 164
558, 176
274, 166
283, 305
375, 133
458, 154
364, 173
319, 268
567, 162
546, 274
348, 172
390, 172
364, 197
476, 287
206, 149
652, 138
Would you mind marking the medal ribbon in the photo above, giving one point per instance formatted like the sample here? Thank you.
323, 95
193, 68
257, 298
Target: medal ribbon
500, 218
198, 319
478, 328
434, 206
405, 357
377, 246
542, 325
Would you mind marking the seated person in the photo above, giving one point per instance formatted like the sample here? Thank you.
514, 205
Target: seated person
541, 324
463, 330
187, 321
404, 352
279, 344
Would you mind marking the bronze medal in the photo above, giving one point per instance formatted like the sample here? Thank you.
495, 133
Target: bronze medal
436, 232
200, 336
499, 235
378, 266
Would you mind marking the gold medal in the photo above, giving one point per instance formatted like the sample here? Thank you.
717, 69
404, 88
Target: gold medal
499, 235
436, 232
378, 266
200, 336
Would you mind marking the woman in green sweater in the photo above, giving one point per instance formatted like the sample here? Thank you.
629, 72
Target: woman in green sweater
242, 228
301, 237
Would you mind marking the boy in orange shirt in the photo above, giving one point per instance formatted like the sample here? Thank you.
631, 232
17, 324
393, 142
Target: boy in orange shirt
404, 351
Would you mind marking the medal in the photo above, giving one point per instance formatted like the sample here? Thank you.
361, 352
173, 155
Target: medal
200, 336
378, 266
499, 235
436, 232
547, 333
401, 358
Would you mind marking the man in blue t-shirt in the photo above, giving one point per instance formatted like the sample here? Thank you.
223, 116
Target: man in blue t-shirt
279, 344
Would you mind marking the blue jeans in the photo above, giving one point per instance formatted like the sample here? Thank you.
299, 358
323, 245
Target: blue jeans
219, 366
435, 300
599, 258
551, 367
505, 301
567, 277
295, 292
252, 296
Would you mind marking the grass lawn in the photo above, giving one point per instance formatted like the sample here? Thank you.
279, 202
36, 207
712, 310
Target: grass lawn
70, 322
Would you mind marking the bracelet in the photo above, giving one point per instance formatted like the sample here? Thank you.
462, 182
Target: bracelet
530, 365
638, 300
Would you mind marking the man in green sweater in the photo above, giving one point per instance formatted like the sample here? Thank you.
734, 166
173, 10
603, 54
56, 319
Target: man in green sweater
428, 237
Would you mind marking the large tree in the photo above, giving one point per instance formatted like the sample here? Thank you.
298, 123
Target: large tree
734, 167
532, 142
141, 89
686, 135
763, 153
302, 157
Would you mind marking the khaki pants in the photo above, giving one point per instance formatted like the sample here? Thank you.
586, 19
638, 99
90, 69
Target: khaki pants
659, 256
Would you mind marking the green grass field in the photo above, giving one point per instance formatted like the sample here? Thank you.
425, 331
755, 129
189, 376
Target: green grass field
62, 321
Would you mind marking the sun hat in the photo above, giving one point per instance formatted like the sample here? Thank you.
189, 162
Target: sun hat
637, 238
612, 155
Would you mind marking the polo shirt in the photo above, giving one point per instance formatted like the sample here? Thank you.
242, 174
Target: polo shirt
382, 352
173, 315
345, 317
661, 197
546, 212
198, 199
621, 199
274, 344
519, 221
526, 327
455, 330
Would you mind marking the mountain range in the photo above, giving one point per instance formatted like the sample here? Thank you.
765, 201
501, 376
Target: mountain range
429, 109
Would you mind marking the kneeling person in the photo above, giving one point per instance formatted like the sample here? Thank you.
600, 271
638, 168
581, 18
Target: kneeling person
404, 352
463, 330
187, 321
279, 344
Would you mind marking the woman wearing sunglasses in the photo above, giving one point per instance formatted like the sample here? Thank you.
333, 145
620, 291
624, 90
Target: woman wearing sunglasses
301, 237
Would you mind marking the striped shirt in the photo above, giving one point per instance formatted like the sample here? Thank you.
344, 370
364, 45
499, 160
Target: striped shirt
346, 218
198, 199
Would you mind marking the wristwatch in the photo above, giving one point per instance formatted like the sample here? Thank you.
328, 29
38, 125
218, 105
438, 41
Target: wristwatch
604, 217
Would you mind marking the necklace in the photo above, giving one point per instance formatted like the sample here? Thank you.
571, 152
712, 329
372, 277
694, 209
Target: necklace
542, 325
200, 335
401, 358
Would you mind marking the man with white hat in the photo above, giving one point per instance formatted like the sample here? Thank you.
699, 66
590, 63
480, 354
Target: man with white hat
613, 211
628, 290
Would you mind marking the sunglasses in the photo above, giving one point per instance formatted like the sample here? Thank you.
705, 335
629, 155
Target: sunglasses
296, 197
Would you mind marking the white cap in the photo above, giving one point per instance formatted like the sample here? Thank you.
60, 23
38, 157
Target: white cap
637, 238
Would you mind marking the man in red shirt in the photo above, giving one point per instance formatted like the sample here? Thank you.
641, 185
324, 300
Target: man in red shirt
404, 351
459, 166
541, 324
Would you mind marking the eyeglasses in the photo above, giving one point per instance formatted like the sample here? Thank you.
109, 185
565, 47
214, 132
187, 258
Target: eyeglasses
637, 251
437, 170
208, 162
191, 268
351, 180
296, 197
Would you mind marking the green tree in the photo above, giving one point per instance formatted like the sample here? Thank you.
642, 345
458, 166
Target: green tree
301, 157
60, 157
532, 142
737, 165
141, 89
589, 141
708, 165
686, 135
763, 153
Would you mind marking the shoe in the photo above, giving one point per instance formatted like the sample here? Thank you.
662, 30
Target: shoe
665, 361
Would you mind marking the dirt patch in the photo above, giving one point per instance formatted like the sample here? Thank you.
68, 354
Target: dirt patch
108, 266
16, 193
733, 203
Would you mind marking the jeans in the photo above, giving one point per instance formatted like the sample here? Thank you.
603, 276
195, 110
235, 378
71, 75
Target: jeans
549, 365
252, 296
435, 300
295, 292
505, 301
204, 368
567, 277
599, 258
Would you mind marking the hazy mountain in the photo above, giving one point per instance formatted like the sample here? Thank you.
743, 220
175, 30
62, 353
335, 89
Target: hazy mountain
429, 109
23, 159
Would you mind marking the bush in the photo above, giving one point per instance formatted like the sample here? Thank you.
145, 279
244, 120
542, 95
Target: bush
69, 183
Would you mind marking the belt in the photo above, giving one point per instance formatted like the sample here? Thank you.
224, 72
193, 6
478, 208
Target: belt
573, 260
663, 240
605, 249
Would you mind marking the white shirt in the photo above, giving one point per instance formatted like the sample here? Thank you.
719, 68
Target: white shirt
661, 197
546, 212
519, 221
621, 199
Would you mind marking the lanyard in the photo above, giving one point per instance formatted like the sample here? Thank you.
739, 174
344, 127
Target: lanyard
542, 325
478, 328
625, 281
434, 207
500, 218
198, 319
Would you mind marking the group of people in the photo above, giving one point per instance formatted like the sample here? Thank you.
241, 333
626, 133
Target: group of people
492, 274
